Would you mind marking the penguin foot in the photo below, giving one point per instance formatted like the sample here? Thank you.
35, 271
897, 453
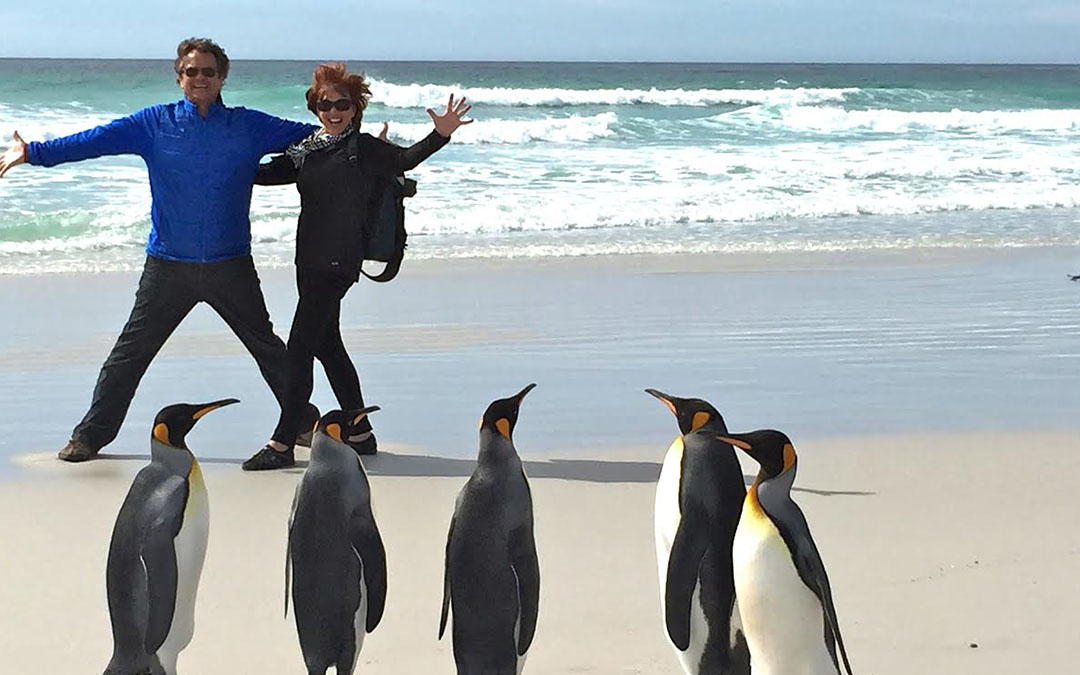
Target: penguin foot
269, 458
76, 451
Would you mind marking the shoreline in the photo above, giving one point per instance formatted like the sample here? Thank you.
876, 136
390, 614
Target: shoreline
821, 345
670, 262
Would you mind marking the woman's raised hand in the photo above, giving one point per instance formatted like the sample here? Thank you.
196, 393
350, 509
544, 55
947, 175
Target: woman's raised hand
450, 120
16, 154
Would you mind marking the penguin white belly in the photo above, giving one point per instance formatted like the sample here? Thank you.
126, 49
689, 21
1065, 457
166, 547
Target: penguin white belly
360, 618
782, 618
190, 546
667, 519
667, 515
517, 627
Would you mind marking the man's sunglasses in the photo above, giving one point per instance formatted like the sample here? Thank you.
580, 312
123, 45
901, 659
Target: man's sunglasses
193, 71
326, 105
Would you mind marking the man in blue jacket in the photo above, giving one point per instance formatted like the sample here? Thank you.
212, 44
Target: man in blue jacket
201, 157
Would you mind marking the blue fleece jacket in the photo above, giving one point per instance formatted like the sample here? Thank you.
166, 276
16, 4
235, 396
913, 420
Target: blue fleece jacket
201, 171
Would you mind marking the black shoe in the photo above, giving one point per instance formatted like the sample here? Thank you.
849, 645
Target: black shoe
269, 458
365, 446
77, 451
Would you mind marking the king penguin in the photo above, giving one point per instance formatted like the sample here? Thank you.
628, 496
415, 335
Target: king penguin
157, 550
492, 576
784, 593
698, 501
335, 550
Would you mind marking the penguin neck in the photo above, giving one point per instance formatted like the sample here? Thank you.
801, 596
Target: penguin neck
176, 460
330, 452
496, 448
773, 491
714, 426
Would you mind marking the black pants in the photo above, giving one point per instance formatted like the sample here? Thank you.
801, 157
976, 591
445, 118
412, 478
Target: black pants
316, 334
167, 292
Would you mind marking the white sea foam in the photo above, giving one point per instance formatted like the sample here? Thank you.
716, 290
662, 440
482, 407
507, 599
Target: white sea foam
831, 120
571, 129
433, 95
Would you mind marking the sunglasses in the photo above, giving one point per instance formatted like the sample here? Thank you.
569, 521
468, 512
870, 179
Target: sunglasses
326, 105
193, 71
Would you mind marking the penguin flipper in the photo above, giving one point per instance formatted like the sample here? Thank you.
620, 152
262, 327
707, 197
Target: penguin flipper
446, 582
158, 555
795, 531
527, 572
684, 565
368, 545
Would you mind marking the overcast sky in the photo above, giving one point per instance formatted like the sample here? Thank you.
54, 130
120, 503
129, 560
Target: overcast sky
1040, 31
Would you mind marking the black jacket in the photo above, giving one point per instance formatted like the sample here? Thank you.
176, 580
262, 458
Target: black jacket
336, 193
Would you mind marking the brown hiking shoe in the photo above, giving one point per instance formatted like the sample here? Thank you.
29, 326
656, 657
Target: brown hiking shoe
76, 451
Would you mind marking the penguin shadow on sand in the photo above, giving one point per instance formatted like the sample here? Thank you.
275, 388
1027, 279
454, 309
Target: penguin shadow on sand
423, 466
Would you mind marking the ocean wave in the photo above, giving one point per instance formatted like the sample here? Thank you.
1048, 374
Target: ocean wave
831, 120
551, 130
432, 95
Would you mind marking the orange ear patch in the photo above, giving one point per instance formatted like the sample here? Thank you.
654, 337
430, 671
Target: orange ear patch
161, 433
334, 431
789, 456
503, 425
700, 419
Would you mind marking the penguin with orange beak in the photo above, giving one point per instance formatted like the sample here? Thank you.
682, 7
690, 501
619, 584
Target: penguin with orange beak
492, 575
157, 550
335, 560
699, 497
785, 599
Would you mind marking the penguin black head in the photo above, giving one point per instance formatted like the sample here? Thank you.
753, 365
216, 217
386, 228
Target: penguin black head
174, 422
691, 413
341, 424
771, 449
501, 416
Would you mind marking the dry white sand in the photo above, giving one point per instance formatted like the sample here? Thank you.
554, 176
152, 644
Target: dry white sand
934, 545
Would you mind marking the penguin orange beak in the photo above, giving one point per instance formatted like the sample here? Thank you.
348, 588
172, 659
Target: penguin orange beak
521, 394
737, 442
210, 407
664, 398
364, 412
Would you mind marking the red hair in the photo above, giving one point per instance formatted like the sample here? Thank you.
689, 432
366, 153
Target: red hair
353, 85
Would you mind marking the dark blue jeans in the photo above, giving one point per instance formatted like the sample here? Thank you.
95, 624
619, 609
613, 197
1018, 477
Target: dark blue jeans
167, 292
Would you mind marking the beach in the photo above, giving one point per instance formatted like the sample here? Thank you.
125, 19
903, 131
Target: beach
931, 396
947, 554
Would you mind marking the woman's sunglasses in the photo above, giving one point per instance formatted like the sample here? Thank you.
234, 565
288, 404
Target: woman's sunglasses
193, 71
326, 105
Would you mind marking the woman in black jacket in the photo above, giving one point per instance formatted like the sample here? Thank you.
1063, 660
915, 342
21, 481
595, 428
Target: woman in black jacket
334, 174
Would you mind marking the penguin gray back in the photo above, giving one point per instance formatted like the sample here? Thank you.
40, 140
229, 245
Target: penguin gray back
492, 574
335, 560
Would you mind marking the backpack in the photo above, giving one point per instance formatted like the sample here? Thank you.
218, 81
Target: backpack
384, 232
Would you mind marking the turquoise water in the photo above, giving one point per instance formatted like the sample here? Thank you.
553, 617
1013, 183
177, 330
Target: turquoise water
579, 159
